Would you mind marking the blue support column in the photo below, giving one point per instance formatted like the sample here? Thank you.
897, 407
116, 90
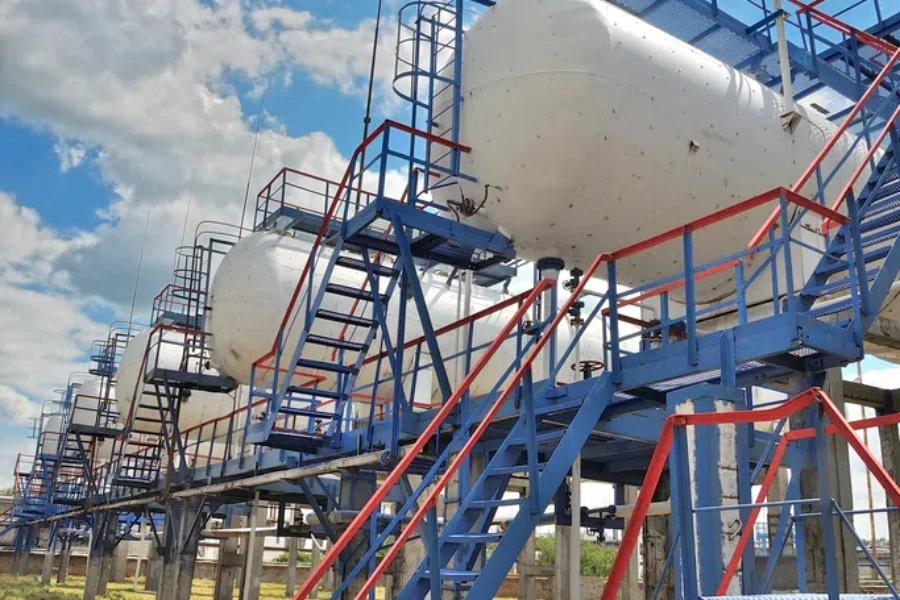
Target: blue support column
708, 471
825, 505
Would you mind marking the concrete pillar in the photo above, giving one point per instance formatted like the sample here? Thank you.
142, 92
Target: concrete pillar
190, 542
525, 565
254, 547
328, 580
631, 587
890, 456
119, 569
567, 537
525, 568
839, 474
47, 571
168, 570
154, 567
228, 568
357, 488
63, 572
777, 493
102, 538
23, 544
291, 579
657, 542
712, 472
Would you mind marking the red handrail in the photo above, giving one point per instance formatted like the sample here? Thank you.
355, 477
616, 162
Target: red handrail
831, 143
457, 324
712, 219
416, 448
870, 155
863, 36
664, 444
323, 228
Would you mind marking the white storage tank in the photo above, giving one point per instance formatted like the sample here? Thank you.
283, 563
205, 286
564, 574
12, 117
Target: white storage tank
253, 285
85, 403
51, 437
166, 353
595, 130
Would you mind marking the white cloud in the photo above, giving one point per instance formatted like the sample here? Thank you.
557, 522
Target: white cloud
141, 91
27, 248
71, 154
146, 84
16, 408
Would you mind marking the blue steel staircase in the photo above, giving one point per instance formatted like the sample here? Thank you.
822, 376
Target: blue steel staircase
383, 238
806, 331
829, 74
300, 419
877, 217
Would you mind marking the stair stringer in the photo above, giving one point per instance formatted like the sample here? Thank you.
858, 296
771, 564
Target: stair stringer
531, 508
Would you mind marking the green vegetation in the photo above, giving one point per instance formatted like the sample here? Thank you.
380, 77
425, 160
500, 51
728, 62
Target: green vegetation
29, 588
596, 560
303, 557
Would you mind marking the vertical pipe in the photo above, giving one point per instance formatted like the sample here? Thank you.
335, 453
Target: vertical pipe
787, 86
248, 573
786, 248
140, 554
825, 505
690, 301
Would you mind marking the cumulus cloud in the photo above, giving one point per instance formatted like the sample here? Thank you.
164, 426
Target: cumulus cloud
27, 248
16, 408
70, 154
146, 84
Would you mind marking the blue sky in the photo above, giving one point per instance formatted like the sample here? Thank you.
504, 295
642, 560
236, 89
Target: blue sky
100, 126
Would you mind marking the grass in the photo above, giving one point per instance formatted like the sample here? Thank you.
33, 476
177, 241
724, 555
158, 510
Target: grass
30, 588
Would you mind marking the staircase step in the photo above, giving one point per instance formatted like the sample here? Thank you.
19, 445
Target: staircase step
473, 538
542, 438
134, 482
882, 219
348, 291
331, 315
306, 412
320, 365
322, 340
357, 264
308, 391
495, 503
514, 469
295, 440
830, 309
457, 575
837, 286
841, 265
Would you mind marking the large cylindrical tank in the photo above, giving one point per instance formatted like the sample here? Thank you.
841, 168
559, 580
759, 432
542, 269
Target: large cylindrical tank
593, 130
51, 435
199, 407
85, 403
254, 283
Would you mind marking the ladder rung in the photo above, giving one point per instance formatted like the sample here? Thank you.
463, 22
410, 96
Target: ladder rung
322, 340
296, 389
325, 366
306, 412
330, 315
357, 264
351, 292
474, 538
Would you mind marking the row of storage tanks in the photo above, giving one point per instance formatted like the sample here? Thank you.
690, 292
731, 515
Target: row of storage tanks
592, 130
